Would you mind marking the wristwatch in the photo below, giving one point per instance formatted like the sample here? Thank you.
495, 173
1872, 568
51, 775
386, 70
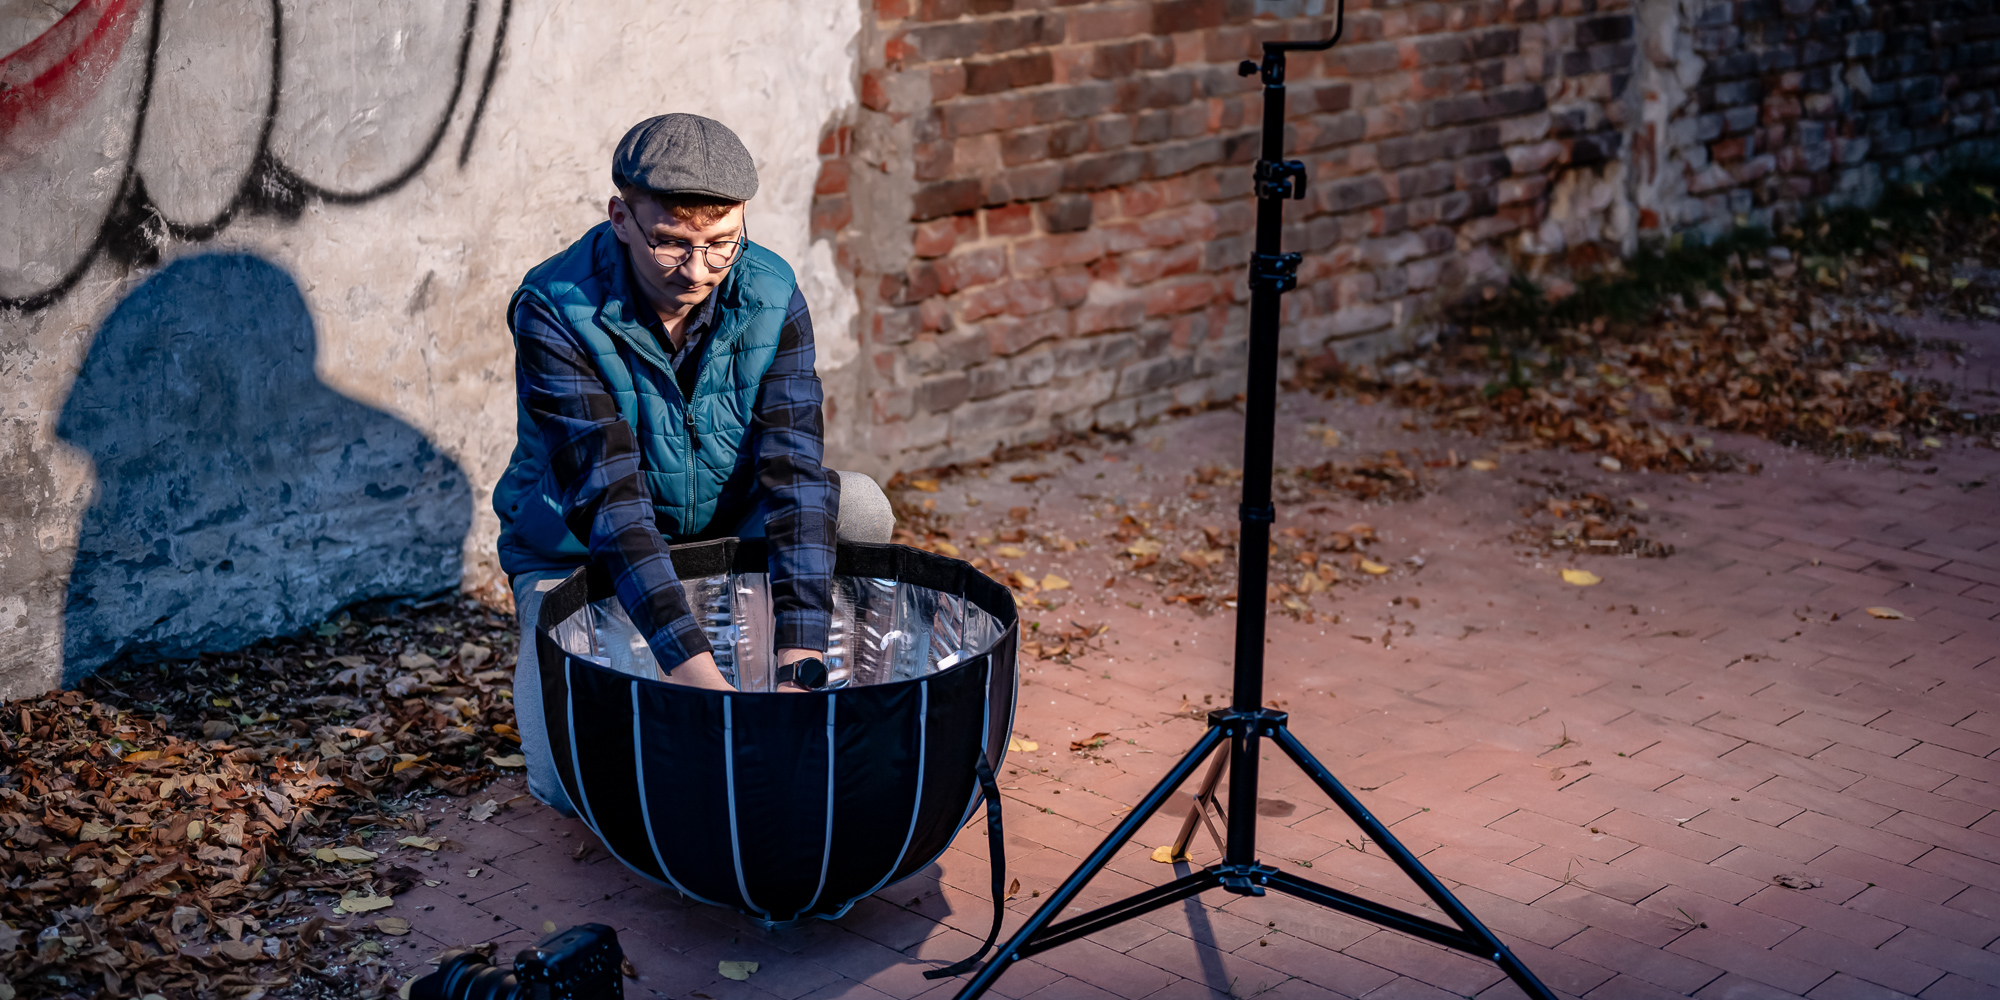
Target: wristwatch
809, 673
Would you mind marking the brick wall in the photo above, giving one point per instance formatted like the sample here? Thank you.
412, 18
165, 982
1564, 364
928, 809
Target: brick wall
1045, 206
1759, 108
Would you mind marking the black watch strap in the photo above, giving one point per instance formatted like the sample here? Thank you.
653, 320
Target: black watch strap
809, 673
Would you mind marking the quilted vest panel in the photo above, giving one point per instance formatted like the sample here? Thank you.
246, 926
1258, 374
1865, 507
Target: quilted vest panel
688, 448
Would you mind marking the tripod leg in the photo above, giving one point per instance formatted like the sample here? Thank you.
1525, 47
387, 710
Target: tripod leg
1408, 862
1060, 899
1203, 799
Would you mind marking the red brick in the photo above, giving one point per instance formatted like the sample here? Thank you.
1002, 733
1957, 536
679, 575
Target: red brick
1884, 845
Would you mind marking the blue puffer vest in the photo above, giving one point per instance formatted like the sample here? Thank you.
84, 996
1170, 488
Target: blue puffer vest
688, 448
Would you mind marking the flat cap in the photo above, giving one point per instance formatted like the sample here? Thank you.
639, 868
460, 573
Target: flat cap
685, 154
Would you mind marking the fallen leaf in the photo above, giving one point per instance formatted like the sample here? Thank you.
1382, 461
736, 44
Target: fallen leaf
1373, 568
1054, 582
483, 811
1023, 581
507, 759
1609, 464
393, 926
348, 854
1015, 744
924, 485
1165, 855
240, 951
1144, 547
738, 971
548, 927
1482, 465
422, 843
1581, 577
943, 547
473, 872
1888, 613
1010, 552
1091, 742
1797, 881
354, 902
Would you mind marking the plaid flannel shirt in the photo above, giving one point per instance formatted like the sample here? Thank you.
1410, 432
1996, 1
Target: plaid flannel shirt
596, 460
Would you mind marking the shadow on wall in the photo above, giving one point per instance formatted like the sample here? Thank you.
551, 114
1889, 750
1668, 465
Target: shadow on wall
238, 497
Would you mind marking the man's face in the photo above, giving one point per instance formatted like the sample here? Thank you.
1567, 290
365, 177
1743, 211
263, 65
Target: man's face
677, 288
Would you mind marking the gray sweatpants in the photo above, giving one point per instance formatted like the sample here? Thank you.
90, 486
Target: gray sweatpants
865, 516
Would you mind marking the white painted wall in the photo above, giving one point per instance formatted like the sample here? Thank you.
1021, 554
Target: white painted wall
407, 290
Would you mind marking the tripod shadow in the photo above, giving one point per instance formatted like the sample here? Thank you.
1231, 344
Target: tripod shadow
238, 497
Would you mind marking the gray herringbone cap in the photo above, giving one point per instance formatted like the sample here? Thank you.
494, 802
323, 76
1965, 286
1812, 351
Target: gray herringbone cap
685, 154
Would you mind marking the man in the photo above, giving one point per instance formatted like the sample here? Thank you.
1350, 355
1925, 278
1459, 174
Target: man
667, 393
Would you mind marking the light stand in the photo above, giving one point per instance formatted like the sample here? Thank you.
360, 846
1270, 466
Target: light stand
1246, 721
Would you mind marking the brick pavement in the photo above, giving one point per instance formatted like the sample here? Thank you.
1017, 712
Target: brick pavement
1611, 776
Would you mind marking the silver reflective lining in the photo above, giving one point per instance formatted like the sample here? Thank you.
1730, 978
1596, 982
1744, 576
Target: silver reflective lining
882, 631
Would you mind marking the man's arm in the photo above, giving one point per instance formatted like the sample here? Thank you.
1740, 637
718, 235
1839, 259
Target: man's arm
595, 461
803, 495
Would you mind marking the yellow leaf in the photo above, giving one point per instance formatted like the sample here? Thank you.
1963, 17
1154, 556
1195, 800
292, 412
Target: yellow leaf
94, 830
1018, 745
1143, 547
738, 971
349, 854
1373, 568
1929, 442
357, 903
1166, 856
1917, 260
410, 762
1010, 551
138, 755
924, 485
1024, 581
1581, 577
508, 759
1482, 465
1054, 582
945, 548
1888, 613
422, 843
222, 702
1609, 464
393, 926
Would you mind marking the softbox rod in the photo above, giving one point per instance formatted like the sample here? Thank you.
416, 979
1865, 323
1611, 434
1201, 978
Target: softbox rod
1246, 722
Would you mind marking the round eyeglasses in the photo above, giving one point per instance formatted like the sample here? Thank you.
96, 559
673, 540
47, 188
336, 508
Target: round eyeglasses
673, 253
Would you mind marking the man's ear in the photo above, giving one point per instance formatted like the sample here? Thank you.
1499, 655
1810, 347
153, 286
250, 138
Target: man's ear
618, 212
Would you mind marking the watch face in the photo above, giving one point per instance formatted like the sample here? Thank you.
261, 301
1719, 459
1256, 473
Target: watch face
811, 672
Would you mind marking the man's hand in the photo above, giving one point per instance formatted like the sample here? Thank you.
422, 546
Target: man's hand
700, 671
793, 656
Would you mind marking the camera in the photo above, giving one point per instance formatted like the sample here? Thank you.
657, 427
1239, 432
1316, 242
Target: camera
582, 963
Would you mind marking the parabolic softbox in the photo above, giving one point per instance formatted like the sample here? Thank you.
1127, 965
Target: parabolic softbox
785, 805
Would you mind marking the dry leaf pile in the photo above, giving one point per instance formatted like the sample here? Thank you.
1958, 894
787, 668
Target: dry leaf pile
1791, 345
173, 828
1572, 518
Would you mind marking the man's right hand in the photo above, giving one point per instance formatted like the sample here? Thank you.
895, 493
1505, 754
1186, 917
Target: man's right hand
700, 671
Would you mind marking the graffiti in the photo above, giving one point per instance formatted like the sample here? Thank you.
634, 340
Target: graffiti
128, 124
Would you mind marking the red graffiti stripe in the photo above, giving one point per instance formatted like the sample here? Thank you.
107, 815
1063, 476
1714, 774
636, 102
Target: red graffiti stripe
45, 82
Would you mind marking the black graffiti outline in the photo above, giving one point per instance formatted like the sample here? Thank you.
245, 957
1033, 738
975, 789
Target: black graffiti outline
134, 229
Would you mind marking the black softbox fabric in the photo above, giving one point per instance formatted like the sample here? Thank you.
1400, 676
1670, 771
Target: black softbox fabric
783, 806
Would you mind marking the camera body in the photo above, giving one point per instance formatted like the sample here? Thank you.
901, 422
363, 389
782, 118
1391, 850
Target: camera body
582, 963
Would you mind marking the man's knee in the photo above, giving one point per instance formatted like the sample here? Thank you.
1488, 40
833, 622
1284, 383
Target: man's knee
865, 514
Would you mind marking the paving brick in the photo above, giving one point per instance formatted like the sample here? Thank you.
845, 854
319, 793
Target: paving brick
1880, 843
1750, 960
1647, 963
1731, 828
1842, 921
1950, 956
1846, 987
1870, 964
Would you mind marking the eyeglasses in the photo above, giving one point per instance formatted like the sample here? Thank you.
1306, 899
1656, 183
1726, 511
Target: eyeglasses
673, 253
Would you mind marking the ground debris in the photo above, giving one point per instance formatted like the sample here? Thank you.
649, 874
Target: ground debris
1795, 343
175, 827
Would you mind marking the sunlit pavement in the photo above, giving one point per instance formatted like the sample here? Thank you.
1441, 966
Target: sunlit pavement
1714, 773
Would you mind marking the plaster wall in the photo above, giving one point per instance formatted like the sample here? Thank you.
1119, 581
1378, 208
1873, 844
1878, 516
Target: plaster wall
254, 262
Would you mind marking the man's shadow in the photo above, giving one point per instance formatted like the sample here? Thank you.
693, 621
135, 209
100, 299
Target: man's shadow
238, 497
